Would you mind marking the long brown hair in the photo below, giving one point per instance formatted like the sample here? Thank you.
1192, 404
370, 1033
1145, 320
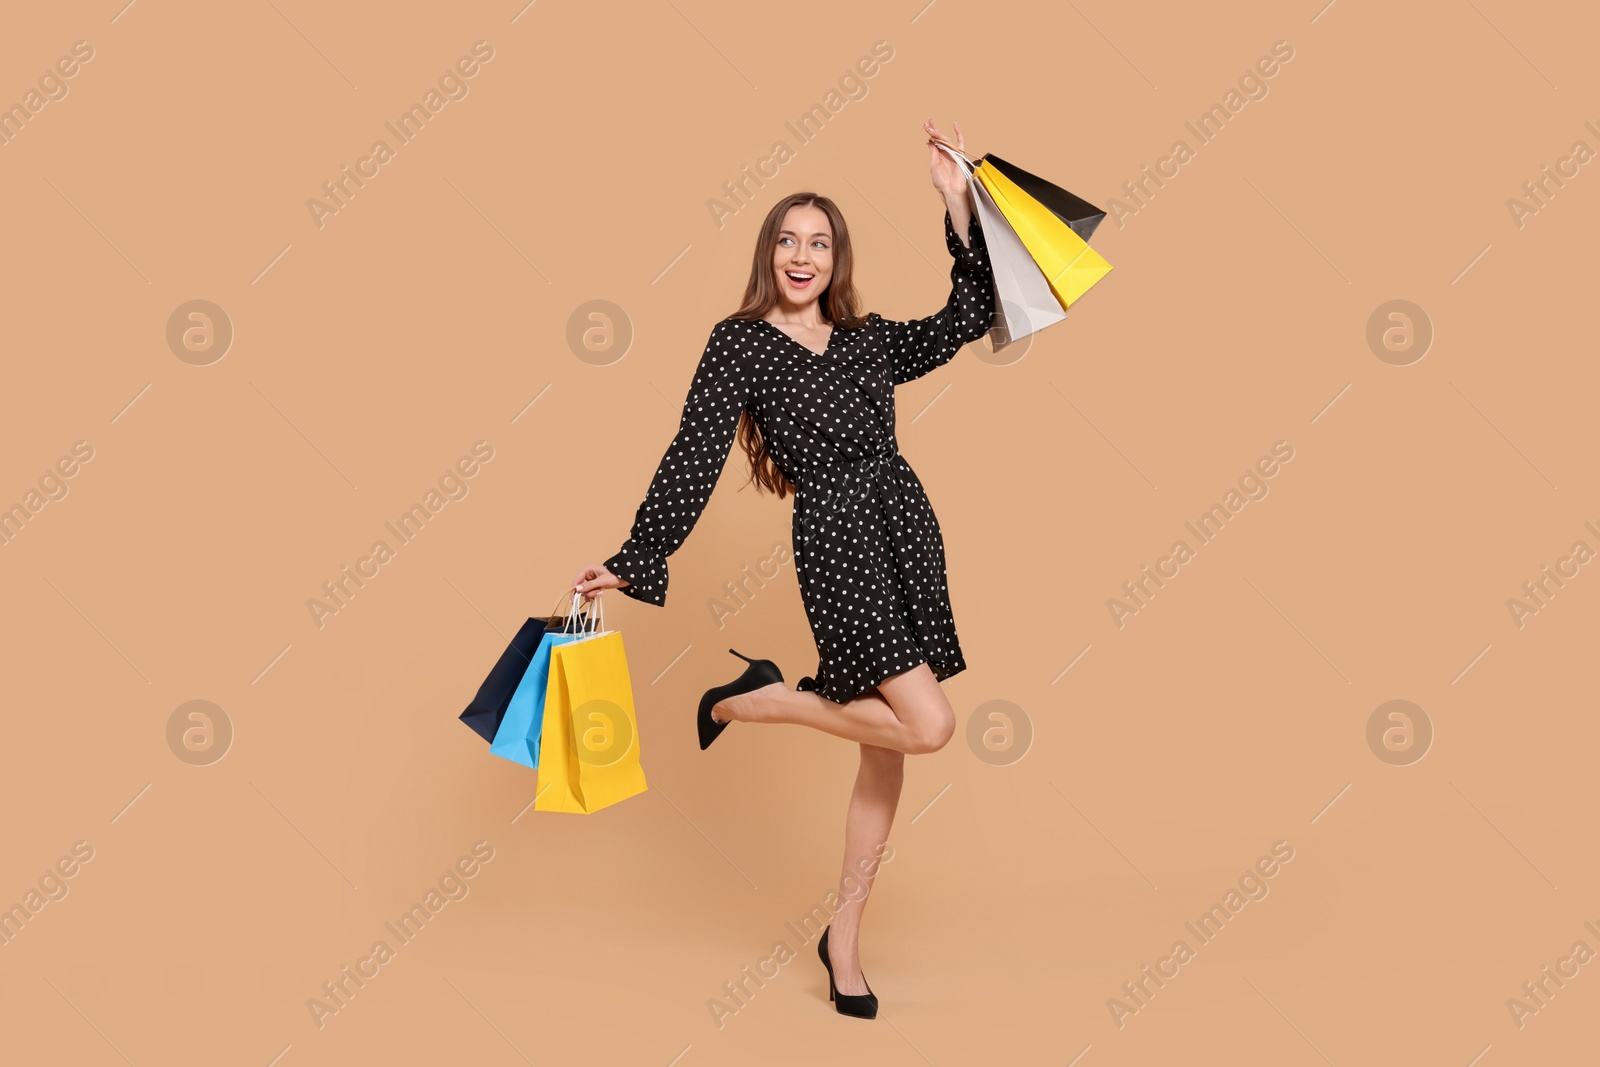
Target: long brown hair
839, 302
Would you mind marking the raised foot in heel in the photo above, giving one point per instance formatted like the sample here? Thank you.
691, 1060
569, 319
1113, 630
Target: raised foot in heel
760, 672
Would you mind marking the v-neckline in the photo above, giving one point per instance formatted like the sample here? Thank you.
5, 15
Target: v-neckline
808, 351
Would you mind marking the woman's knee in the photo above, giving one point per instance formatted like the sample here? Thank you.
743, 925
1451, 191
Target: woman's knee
921, 706
930, 733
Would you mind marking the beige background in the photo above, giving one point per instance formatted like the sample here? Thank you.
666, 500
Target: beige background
1027, 884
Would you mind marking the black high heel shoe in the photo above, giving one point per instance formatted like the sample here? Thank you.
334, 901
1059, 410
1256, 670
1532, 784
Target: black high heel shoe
761, 672
858, 1005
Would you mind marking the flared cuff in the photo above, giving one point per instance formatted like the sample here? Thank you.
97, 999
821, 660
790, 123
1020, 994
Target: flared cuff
644, 571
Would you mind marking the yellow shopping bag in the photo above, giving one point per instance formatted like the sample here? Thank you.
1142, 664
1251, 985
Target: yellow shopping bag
1069, 265
589, 743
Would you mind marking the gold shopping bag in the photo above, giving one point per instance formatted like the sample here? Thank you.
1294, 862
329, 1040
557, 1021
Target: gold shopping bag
589, 742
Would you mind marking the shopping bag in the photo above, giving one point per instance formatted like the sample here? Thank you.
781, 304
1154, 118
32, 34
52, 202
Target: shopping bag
1071, 266
488, 708
1070, 208
589, 748
518, 737
1052, 239
1023, 301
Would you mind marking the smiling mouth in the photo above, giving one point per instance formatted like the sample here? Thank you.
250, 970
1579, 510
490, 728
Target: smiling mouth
798, 278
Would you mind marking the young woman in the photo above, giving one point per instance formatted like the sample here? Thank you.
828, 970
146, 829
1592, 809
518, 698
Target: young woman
807, 383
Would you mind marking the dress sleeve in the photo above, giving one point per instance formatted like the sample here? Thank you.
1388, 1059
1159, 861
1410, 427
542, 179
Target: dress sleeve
688, 471
920, 345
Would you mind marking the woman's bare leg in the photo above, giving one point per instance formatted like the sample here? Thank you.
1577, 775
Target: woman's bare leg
904, 713
907, 712
866, 829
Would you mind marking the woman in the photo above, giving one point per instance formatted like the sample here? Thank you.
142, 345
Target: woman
807, 382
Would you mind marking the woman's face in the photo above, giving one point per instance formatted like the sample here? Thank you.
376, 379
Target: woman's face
803, 259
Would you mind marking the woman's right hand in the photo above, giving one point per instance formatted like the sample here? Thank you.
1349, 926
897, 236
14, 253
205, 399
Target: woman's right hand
948, 176
594, 579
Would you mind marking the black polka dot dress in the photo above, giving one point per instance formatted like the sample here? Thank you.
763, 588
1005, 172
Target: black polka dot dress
868, 552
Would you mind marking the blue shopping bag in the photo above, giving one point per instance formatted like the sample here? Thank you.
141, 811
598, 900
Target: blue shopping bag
518, 737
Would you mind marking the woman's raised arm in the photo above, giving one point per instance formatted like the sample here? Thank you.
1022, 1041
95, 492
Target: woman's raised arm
921, 345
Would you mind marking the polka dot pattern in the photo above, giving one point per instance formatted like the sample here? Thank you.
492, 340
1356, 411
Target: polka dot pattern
869, 554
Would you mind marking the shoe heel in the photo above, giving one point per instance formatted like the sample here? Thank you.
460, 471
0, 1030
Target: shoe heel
760, 672
862, 1005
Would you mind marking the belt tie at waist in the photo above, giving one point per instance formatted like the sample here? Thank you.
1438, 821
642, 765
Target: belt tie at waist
881, 457
879, 460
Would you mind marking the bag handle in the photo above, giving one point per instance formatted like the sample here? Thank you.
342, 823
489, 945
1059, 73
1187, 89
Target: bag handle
574, 613
953, 150
961, 160
596, 614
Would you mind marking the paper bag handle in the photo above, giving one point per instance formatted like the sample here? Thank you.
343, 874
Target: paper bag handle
596, 613
966, 165
947, 146
574, 612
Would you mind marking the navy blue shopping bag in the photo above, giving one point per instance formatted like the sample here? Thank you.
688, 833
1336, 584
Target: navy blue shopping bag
488, 708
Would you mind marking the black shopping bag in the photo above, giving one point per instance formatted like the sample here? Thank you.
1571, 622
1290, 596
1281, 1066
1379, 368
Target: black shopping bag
488, 708
1080, 216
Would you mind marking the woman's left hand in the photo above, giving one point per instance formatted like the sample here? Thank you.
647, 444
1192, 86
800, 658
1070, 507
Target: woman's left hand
948, 176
